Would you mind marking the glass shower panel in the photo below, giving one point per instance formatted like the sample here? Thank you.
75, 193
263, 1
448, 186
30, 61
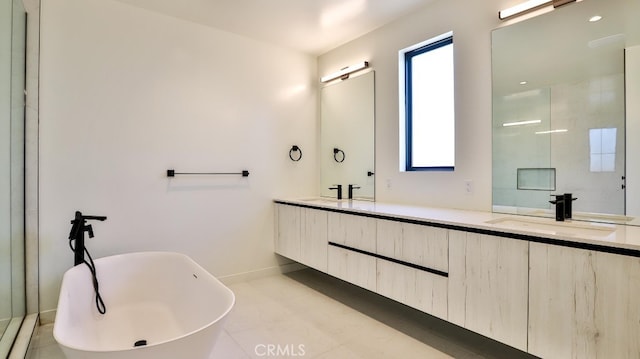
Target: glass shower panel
5, 160
12, 130
522, 172
589, 154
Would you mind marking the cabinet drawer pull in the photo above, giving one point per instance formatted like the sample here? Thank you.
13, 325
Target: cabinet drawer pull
397, 261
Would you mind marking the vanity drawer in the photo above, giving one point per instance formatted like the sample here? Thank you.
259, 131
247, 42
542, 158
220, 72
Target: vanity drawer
412, 243
353, 267
357, 232
416, 288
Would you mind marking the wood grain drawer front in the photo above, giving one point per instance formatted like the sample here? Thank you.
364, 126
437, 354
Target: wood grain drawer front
353, 267
313, 244
583, 303
412, 243
488, 286
353, 231
421, 290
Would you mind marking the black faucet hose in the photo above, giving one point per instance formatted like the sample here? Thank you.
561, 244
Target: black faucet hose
102, 309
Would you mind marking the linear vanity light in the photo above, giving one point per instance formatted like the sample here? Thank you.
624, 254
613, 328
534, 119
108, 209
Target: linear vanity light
345, 72
529, 6
520, 123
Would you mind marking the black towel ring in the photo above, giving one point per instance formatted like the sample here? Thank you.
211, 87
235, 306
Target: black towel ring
336, 152
293, 149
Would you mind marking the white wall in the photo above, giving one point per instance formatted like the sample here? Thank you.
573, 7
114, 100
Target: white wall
127, 94
471, 22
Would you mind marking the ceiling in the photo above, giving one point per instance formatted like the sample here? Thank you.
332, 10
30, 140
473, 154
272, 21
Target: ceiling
310, 26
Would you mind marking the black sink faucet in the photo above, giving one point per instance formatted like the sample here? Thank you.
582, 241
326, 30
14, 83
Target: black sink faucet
351, 188
560, 211
77, 234
564, 208
339, 188
568, 208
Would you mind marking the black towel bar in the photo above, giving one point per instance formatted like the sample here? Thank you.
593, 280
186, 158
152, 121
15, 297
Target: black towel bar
173, 173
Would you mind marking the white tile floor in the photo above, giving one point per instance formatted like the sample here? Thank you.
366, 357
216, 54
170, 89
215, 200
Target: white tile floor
312, 315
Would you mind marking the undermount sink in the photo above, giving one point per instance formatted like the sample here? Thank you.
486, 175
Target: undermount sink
547, 226
587, 216
343, 203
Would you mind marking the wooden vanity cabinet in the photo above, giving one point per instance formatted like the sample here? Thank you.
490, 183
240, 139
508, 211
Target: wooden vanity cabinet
352, 234
551, 299
301, 235
314, 240
488, 286
419, 280
288, 231
583, 303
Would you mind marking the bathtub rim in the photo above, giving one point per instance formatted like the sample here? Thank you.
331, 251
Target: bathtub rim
173, 253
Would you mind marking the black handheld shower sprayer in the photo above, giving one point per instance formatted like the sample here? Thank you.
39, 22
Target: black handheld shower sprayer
79, 226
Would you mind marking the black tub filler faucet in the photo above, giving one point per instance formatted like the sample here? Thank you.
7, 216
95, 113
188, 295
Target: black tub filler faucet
78, 229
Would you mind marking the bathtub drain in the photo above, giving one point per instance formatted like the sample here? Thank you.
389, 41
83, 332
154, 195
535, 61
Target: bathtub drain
140, 343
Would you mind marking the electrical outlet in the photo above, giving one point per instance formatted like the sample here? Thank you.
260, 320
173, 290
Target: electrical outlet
468, 186
388, 183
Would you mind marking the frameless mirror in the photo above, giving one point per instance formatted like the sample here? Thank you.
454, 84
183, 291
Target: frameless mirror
347, 123
559, 119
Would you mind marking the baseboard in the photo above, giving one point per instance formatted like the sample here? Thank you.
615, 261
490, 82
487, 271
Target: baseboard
47, 317
261, 273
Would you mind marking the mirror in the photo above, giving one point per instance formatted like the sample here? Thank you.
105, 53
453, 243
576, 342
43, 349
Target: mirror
559, 122
347, 123
12, 84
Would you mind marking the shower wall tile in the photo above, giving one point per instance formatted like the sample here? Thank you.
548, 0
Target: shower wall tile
577, 108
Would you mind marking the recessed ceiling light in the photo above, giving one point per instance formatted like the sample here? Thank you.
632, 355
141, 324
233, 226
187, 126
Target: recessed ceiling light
523, 82
595, 18
520, 123
552, 131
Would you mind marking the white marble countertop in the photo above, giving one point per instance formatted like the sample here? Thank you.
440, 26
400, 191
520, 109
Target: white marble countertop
579, 232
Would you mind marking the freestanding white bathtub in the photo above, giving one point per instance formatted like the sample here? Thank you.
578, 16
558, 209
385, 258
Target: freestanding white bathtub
163, 298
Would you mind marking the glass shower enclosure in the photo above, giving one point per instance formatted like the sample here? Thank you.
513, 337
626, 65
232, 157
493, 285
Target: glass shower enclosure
12, 170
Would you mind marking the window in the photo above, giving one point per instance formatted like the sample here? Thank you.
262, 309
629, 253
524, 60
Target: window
602, 147
428, 116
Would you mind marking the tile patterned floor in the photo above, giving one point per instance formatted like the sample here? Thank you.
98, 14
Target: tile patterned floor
307, 314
